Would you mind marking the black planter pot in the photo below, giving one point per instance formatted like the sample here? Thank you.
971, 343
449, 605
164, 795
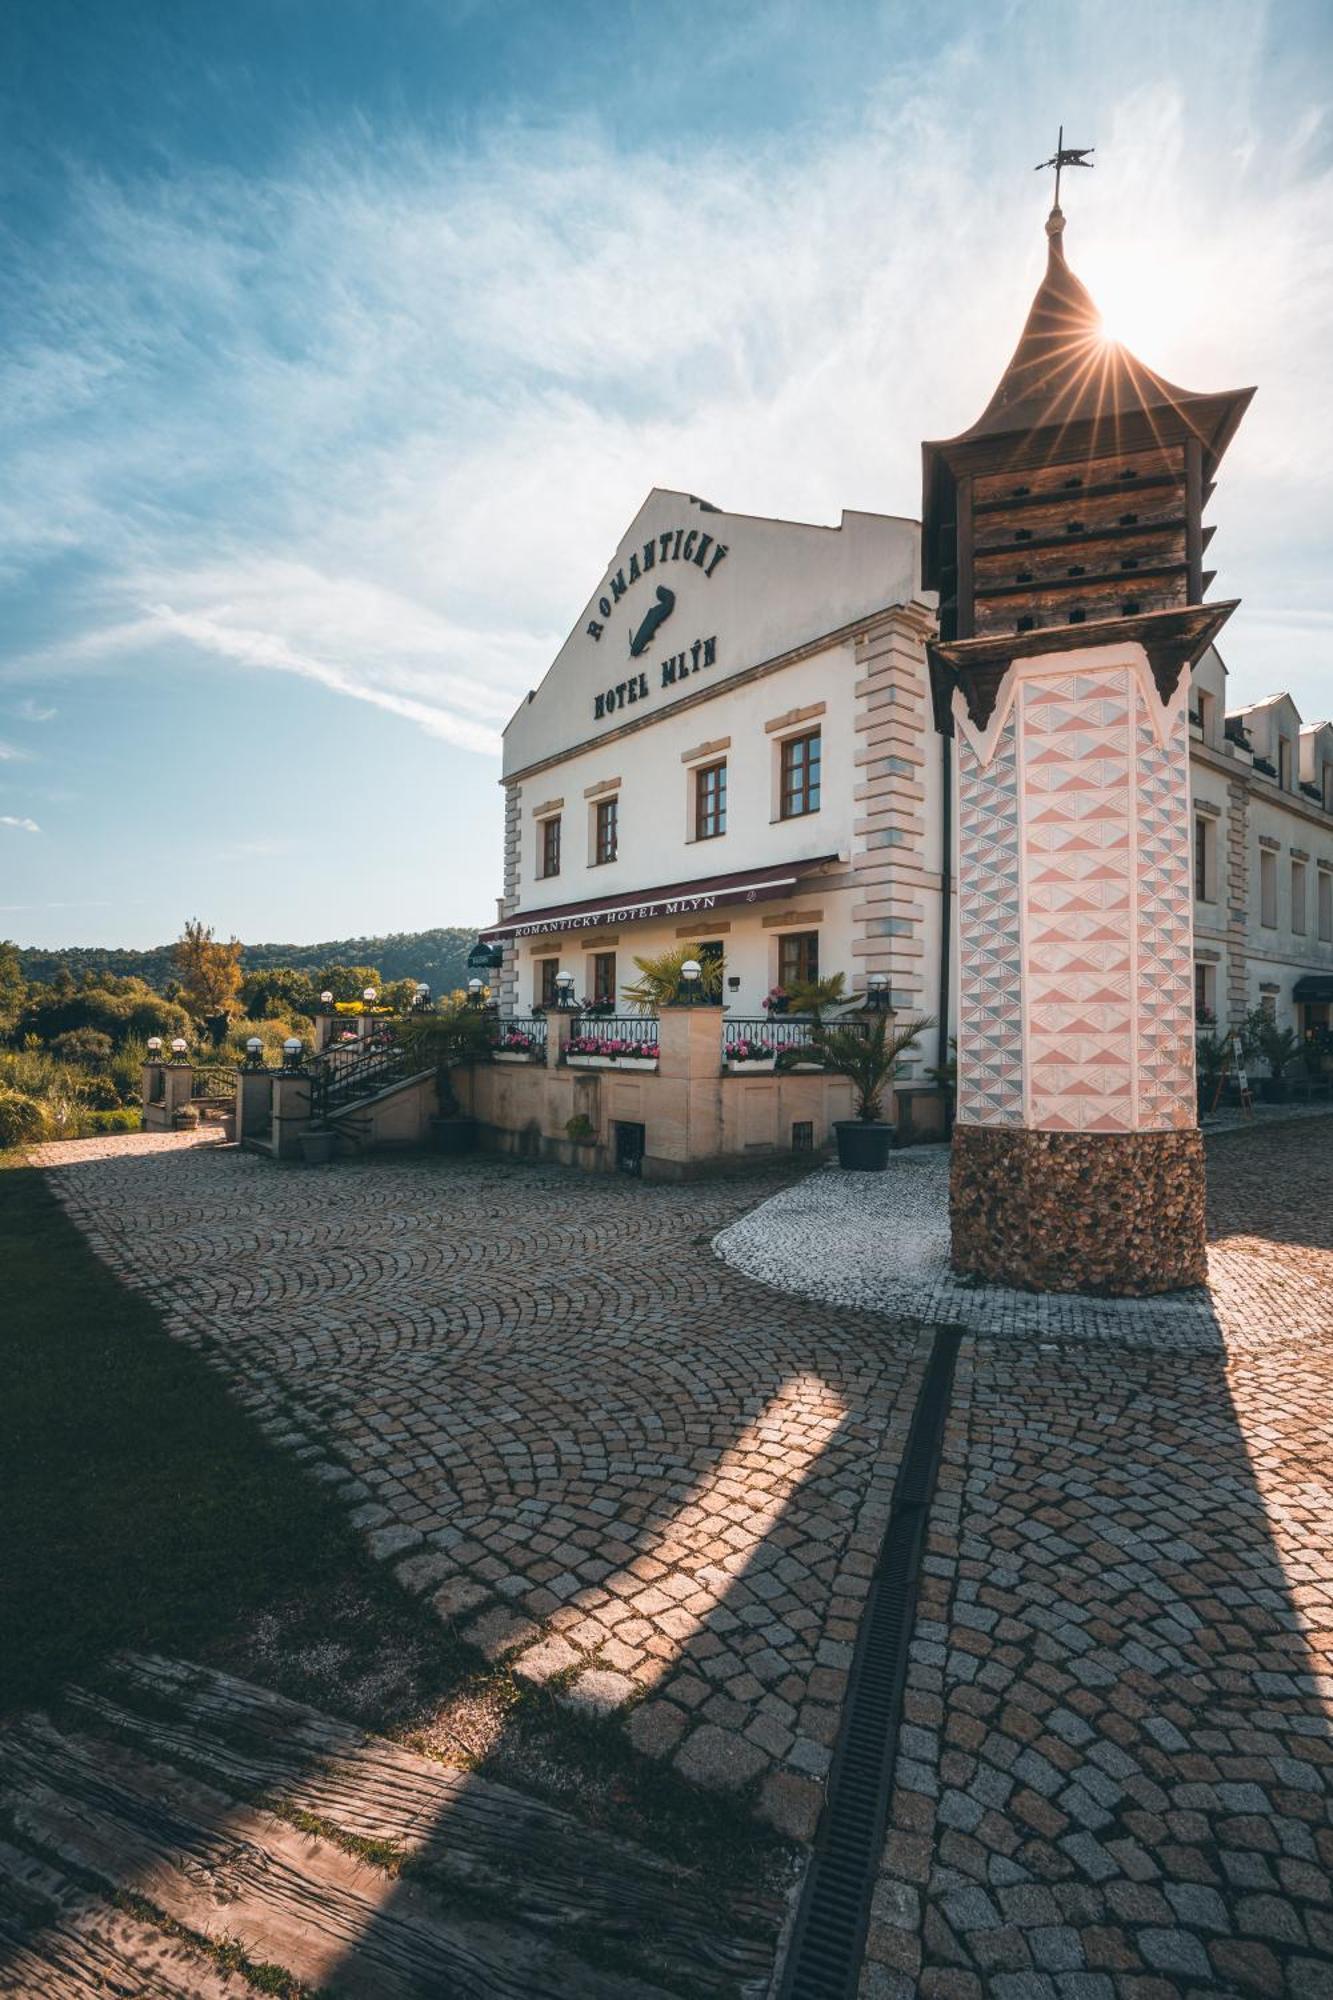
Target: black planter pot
861, 1147
1273, 1089
454, 1135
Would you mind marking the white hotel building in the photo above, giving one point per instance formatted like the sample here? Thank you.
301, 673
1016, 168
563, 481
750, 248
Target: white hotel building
735, 748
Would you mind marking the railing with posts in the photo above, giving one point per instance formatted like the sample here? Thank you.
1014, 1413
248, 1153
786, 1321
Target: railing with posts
763, 1037
521, 1037
350, 1071
216, 1081
616, 1037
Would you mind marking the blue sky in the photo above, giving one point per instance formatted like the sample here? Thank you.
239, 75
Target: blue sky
340, 339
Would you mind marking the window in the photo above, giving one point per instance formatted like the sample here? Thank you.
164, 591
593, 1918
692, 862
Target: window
604, 978
1326, 786
800, 775
798, 958
1267, 889
607, 837
1284, 763
1204, 704
710, 802
710, 952
1298, 897
550, 840
545, 989
1200, 859
1325, 906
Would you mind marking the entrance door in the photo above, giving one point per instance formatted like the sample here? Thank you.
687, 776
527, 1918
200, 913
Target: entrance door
630, 1140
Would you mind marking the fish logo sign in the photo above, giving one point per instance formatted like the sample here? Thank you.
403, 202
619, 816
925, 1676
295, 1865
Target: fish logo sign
657, 614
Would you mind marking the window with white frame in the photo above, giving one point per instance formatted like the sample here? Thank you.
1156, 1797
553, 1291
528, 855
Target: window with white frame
1298, 897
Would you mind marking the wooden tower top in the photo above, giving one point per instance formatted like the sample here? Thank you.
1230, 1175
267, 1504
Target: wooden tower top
1076, 498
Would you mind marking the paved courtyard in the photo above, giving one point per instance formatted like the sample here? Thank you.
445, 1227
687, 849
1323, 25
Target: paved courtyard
612, 1456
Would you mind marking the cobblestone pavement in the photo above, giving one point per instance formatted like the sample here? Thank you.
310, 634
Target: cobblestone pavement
604, 1454
1116, 1776
881, 1242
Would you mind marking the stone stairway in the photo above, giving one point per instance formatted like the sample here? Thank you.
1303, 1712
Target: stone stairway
173, 1830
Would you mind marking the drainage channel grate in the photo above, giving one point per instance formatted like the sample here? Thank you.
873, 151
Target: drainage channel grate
828, 1938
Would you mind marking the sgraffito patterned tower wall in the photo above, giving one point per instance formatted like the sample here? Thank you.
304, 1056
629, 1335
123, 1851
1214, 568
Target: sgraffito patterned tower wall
1076, 904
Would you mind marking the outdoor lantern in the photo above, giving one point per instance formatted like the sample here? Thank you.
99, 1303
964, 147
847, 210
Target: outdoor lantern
878, 996
154, 1047
291, 1052
689, 972
179, 1046
370, 995
475, 988
563, 982
326, 999
422, 995
254, 1051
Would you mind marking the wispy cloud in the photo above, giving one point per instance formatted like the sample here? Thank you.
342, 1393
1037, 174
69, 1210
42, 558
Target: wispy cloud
378, 420
11, 754
19, 825
33, 711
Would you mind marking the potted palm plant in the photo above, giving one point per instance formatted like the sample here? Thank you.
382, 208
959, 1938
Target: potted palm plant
1279, 1048
869, 1059
661, 981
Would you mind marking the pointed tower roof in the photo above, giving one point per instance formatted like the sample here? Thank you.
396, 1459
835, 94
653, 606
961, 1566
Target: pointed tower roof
1069, 392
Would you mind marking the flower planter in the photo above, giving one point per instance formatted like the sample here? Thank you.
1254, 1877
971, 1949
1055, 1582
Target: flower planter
317, 1147
863, 1148
512, 1055
764, 1064
634, 1062
588, 1062
454, 1135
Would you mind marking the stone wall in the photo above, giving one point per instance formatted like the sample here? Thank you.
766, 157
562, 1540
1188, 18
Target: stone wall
1113, 1213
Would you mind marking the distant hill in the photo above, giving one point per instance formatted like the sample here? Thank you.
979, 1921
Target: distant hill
438, 957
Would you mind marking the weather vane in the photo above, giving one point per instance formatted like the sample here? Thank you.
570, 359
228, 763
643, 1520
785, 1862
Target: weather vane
1065, 156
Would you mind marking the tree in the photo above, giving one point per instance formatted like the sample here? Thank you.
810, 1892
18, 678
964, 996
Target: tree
13, 986
210, 972
276, 993
348, 982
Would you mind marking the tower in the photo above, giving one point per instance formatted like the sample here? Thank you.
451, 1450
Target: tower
1064, 535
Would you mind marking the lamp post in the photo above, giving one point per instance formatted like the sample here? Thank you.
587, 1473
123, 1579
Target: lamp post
475, 989
254, 1052
291, 1053
564, 982
155, 1048
326, 1001
689, 972
877, 996
370, 994
179, 1046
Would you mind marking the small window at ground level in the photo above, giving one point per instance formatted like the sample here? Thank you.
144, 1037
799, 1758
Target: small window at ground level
798, 958
803, 1135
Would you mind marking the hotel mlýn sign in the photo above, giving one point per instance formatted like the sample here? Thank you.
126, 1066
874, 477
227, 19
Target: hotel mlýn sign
689, 545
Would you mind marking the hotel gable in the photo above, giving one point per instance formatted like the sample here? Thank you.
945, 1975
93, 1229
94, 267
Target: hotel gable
731, 750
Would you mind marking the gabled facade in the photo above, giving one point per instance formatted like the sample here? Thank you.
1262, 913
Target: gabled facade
728, 751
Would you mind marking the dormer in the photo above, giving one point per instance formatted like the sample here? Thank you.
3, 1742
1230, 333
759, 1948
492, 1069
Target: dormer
1273, 727
1208, 698
1316, 762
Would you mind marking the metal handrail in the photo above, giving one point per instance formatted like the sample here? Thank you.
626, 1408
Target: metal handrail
617, 1034
769, 1034
218, 1080
343, 1074
521, 1036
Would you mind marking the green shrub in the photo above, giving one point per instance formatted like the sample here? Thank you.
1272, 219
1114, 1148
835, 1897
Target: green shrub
122, 1119
21, 1119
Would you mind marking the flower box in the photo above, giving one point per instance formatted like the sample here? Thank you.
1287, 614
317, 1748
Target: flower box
634, 1062
766, 1064
512, 1055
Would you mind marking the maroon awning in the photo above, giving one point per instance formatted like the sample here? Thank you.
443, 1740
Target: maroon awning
677, 899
